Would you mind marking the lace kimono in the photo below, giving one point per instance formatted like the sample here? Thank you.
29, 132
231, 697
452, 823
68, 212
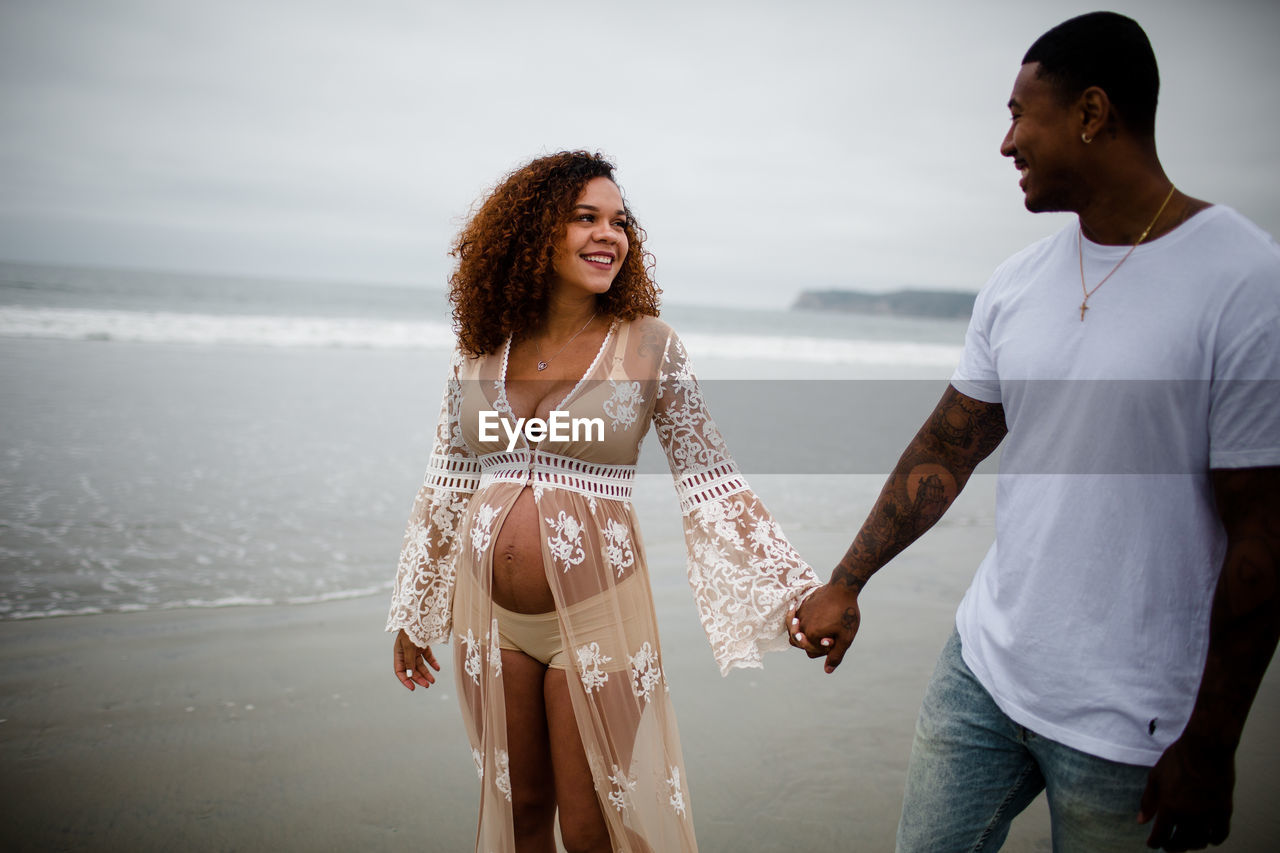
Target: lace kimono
743, 571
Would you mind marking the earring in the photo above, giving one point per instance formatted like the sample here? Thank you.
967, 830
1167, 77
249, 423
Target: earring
1084, 137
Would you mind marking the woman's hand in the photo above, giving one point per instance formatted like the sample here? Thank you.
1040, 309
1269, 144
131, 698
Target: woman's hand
411, 662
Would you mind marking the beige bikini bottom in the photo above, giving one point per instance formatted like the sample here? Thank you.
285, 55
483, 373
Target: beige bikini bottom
595, 621
535, 634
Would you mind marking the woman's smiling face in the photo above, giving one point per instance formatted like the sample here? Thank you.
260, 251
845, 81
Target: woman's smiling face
590, 251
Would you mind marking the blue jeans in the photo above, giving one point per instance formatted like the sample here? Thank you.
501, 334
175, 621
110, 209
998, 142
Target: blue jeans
973, 770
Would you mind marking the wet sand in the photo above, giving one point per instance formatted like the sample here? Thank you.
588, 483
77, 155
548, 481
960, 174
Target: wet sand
282, 728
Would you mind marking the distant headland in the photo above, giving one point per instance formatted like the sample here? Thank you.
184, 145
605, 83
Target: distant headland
902, 303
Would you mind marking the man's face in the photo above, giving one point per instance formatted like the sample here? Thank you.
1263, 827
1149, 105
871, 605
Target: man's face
1044, 142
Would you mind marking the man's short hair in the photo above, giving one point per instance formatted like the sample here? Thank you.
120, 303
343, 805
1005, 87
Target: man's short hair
1106, 50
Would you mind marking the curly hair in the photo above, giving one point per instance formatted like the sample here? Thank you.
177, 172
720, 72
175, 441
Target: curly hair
505, 251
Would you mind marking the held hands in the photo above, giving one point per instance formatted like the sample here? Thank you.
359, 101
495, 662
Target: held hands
411, 662
825, 624
1188, 796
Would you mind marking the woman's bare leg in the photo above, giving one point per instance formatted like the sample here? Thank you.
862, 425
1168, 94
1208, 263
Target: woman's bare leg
582, 826
533, 800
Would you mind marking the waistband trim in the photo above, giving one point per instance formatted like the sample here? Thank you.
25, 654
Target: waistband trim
453, 473
550, 470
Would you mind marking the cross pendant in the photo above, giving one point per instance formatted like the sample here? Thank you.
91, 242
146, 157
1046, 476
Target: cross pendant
542, 365
1084, 306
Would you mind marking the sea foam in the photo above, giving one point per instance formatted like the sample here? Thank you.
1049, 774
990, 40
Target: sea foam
159, 327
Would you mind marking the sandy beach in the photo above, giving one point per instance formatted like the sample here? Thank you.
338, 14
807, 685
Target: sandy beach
282, 728
146, 474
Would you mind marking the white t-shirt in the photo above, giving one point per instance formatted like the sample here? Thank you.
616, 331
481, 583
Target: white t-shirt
1088, 619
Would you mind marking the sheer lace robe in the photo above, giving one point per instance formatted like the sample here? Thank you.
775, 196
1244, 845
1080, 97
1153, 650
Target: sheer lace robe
743, 571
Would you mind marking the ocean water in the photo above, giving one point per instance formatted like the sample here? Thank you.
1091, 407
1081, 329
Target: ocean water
171, 440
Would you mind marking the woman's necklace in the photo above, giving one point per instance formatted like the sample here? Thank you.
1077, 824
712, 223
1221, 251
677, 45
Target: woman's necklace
1084, 306
542, 365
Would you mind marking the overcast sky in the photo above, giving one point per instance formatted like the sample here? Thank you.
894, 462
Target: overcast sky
766, 146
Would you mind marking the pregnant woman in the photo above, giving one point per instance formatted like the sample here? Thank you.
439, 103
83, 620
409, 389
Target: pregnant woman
523, 547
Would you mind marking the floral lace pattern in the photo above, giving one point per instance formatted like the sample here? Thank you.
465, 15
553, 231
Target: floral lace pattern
688, 434
624, 787
676, 800
495, 650
743, 573
645, 672
621, 406
421, 602
590, 661
481, 535
472, 646
503, 781
566, 545
617, 549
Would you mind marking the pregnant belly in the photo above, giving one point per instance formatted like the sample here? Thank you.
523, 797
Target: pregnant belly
519, 579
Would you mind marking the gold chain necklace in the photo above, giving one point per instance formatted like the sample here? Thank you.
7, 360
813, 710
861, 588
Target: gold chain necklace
542, 365
1084, 305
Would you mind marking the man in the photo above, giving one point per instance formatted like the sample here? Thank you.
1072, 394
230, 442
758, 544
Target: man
1114, 636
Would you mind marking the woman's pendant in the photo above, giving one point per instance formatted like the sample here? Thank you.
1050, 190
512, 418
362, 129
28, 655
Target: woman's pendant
542, 365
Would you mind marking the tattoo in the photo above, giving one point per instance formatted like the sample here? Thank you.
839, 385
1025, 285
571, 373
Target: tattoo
846, 576
959, 434
930, 499
850, 619
970, 426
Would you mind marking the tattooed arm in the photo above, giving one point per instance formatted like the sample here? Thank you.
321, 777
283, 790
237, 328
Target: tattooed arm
959, 434
1189, 790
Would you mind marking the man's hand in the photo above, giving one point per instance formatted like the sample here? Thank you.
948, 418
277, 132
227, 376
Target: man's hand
1189, 790
826, 623
1189, 795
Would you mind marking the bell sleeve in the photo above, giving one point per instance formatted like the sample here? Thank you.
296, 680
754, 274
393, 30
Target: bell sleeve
422, 598
743, 571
